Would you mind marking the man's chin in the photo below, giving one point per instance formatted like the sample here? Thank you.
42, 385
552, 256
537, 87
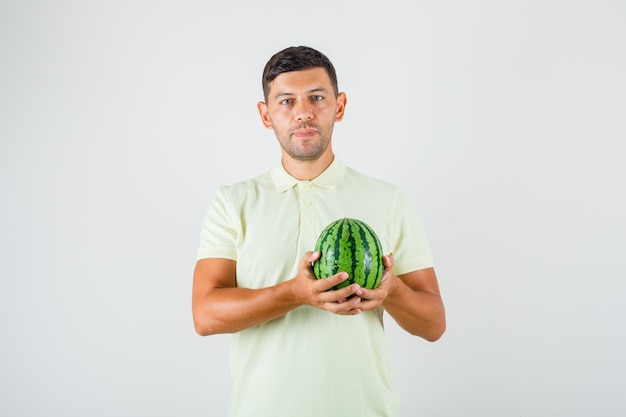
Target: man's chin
306, 155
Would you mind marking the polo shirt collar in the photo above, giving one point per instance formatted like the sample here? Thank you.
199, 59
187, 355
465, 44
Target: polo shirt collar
329, 178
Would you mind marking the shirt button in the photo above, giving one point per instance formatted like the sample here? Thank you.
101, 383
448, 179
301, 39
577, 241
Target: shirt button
307, 222
307, 203
307, 186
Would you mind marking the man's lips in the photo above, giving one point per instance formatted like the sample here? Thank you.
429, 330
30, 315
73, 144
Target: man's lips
304, 133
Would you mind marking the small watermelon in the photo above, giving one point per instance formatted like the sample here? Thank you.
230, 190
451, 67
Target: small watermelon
350, 245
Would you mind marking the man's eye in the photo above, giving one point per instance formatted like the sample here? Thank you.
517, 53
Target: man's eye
286, 101
317, 98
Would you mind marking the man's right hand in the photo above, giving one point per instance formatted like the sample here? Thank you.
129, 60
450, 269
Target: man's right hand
318, 292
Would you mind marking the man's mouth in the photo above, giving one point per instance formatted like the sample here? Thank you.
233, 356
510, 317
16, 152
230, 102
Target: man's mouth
304, 132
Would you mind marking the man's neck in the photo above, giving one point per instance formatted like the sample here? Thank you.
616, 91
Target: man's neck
307, 170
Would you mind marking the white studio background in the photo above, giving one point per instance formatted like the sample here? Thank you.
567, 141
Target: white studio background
503, 120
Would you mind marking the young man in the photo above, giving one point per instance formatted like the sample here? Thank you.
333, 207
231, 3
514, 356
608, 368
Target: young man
298, 349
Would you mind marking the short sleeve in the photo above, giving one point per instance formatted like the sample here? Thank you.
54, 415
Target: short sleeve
218, 238
412, 250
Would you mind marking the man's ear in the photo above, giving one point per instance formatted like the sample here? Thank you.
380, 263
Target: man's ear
265, 117
342, 100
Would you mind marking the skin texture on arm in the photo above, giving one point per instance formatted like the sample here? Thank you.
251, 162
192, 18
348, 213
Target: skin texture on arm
219, 306
412, 299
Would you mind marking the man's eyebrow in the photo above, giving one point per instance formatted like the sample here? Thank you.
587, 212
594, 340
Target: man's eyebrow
313, 90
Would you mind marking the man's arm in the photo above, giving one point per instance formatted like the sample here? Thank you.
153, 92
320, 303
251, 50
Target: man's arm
219, 306
415, 303
412, 299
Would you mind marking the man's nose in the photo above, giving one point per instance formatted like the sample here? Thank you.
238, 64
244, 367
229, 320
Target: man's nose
304, 112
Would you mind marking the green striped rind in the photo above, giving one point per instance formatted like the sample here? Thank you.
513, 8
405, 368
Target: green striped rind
349, 245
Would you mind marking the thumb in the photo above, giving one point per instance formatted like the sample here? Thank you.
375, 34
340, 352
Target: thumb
388, 261
311, 257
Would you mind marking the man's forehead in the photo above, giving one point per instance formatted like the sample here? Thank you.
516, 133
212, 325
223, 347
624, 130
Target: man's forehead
310, 79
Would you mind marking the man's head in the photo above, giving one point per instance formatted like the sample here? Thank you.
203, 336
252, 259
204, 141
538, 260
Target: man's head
301, 106
296, 58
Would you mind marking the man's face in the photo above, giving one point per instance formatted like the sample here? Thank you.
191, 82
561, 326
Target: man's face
302, 109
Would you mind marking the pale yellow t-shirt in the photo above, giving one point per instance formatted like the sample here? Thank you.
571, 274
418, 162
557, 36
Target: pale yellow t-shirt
310, 362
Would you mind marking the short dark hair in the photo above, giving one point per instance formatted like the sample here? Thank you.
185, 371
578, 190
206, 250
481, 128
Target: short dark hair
296, 58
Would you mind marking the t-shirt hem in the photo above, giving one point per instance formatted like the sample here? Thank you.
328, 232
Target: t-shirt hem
414, 265
204, 253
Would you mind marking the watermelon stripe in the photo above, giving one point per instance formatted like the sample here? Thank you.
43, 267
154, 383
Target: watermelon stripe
365, 258
360, 252
375, 274
344, 254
